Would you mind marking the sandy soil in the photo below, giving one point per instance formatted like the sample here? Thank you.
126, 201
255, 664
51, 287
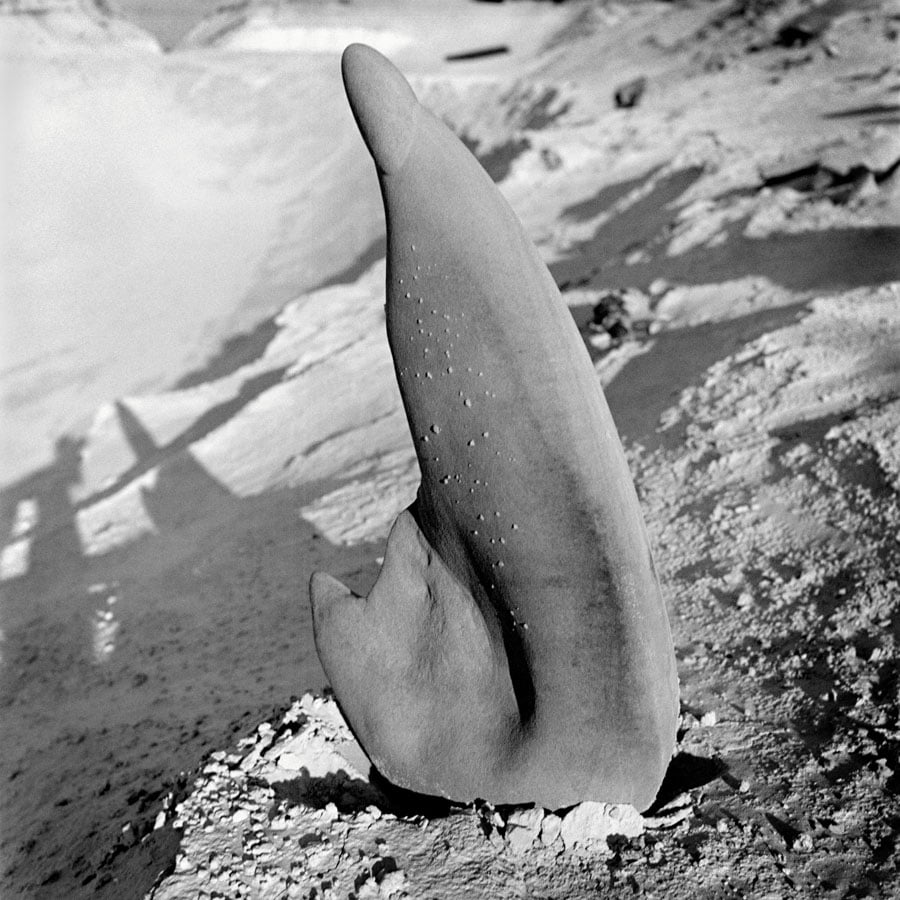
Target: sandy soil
154, 612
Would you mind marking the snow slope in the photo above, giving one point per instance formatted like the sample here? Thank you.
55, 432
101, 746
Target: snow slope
161, 204
56, 26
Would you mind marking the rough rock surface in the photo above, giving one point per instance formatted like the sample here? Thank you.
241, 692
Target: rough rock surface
778, 533
292, 813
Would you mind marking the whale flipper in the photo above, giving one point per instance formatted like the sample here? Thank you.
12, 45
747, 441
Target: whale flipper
515, 646
391, 657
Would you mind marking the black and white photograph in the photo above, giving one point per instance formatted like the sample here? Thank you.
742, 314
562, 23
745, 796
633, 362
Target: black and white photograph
449, 449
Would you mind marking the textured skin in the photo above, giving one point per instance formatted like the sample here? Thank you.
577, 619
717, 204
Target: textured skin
515, 647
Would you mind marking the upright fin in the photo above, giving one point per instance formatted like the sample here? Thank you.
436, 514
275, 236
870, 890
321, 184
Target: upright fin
515, 646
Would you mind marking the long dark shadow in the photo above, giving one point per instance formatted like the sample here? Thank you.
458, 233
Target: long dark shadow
650, 383
633, 228
247, 347
836, 259
604, 199
215, 634
874, 109
149, 454
235, 352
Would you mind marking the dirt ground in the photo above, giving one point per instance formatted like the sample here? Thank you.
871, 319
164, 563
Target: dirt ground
154, 609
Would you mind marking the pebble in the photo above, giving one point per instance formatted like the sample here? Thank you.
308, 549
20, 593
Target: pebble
589, 824
321, 859
393, 883
330, 813
804, 843
522, 828
550, 829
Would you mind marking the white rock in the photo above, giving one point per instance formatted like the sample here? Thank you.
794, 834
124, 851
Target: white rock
330, 813
321, 859
550, 829
590, 824
522, 828
369, 890
291, 761
393, 883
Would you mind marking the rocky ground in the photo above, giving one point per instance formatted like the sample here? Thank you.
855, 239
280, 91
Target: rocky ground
776, 536
728, 244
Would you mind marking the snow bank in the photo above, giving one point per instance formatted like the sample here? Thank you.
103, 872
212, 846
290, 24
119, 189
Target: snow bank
262, 34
